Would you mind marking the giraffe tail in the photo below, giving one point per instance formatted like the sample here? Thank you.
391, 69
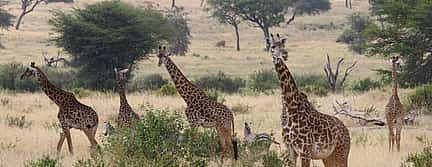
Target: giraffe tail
234, 142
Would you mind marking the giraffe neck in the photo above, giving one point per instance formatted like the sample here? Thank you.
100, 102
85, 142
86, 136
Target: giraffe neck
394, 80
187, 90
290, 92
50, 89
122, 94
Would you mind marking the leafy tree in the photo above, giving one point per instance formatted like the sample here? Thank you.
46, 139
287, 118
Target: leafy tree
179, 38
5, 18
28, 6
269, 13
406, 31
105, 35
225, 12
353, 35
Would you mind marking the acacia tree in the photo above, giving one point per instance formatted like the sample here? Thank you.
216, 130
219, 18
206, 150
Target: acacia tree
106, 35
407, 32
266, 14
225, 12
179, 38
5, 18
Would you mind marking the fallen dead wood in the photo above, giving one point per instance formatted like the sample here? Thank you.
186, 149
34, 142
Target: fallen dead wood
345, 110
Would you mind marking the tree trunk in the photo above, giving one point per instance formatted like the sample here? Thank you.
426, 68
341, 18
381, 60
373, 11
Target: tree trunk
237, 36
172, 3
17, 26
266, 32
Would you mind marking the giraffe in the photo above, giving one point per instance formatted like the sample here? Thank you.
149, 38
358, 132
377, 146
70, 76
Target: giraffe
126, 114
200, 110
72, 113
307, 133
394, 111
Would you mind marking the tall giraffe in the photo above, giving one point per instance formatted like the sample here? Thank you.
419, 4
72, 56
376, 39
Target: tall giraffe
307, 133
200, 110
394, 110
72, 114
126, 114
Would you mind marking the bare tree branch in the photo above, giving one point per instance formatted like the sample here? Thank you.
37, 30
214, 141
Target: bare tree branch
292, 17
332, 77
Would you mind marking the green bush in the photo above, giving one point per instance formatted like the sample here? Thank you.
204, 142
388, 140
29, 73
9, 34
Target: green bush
45, 161
168, 90
353, 36
221, 82
10, 78
159, 139
263, 80
420, 159
272, 160
149, 82
215, 95
366, 84
315, 84
421, 98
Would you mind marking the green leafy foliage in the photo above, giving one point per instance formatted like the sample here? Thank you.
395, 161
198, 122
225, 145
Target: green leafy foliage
353, 35
366, 84
5, 17
405, 31
221, 82
149, 82
179, 37
105, 35
159, 139
45, 161
168, 90
315, 84
263, 80
421, 98
10, 78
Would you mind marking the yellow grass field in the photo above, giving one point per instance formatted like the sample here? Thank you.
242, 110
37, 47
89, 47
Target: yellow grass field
307, 50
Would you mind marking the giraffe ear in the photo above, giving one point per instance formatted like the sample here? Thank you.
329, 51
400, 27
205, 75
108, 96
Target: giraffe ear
278, 35
160, 47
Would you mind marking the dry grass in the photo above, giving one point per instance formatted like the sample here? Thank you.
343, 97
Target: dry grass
369, 146
307, 51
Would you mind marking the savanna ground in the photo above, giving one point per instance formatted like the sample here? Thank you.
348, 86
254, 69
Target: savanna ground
307, 50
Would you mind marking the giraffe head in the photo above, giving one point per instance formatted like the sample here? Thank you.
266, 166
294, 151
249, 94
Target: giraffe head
121, 76
277, 48
30, 71
163, 55
395, 60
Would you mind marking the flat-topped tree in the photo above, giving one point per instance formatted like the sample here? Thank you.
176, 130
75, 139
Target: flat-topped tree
72, 114
266, 14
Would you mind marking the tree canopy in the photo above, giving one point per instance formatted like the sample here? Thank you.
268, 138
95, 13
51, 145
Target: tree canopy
105, 35
406, 31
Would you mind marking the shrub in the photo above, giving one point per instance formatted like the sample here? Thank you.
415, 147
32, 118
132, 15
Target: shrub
215, 95
149, 82
272, 160
421, 98
160, 139
10, 78
263, 80
19, 122
220, 82
81, 92
168, 90
315, 84
420, 159
366, 84
45, 161
353, 36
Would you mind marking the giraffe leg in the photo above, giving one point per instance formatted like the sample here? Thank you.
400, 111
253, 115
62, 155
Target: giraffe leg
391, 135
60, 142
229, 141
291, 156
221, 134
305, 162
69, 140
91, 137
398, 133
